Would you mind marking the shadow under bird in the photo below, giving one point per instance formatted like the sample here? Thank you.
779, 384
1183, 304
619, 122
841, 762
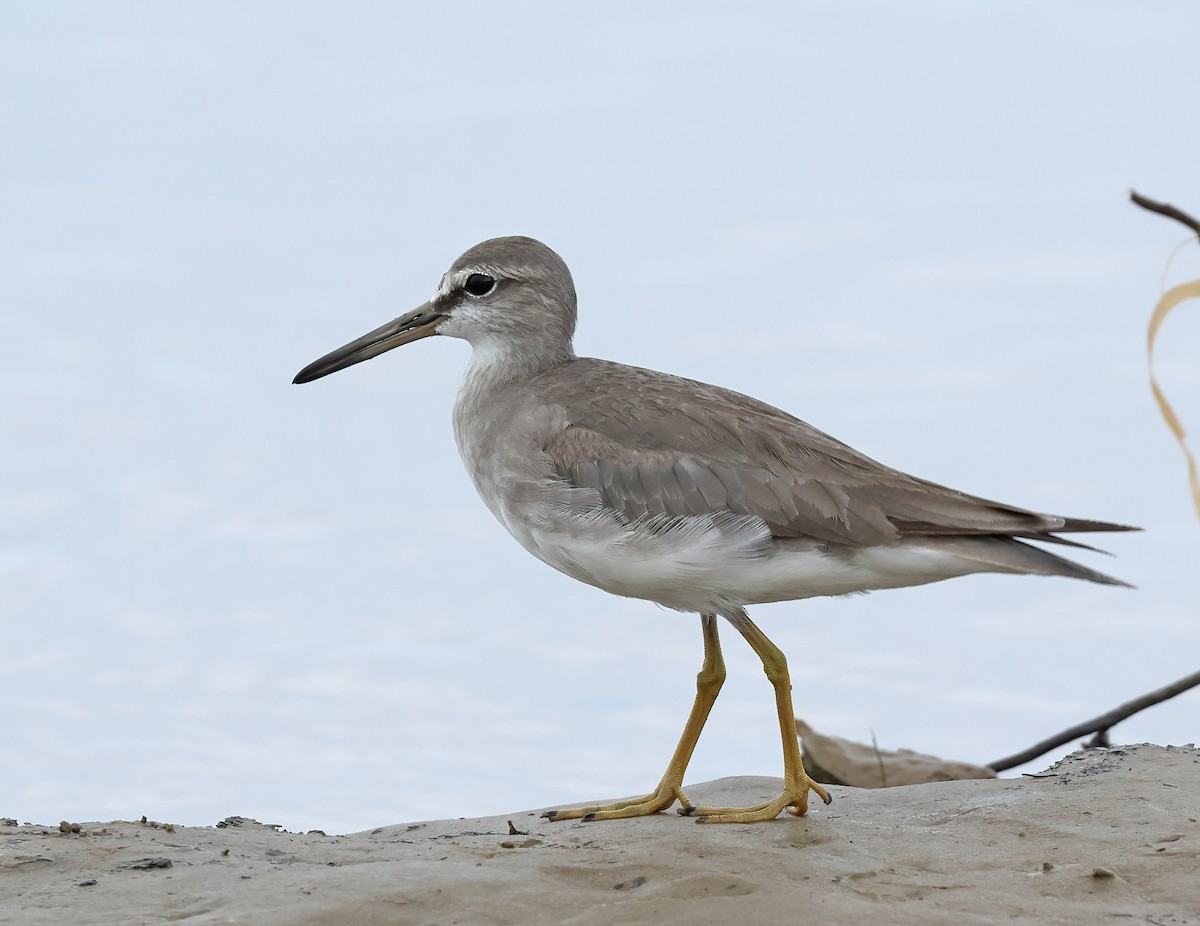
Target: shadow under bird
696, 497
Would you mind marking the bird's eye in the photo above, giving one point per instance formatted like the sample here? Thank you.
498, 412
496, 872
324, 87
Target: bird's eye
479, 284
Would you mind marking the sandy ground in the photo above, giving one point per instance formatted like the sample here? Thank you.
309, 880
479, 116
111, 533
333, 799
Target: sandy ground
1105, 836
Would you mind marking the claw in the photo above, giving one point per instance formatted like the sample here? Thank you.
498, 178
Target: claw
666, 794
794, 799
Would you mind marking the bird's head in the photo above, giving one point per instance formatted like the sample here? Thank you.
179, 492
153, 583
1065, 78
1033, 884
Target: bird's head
512, 297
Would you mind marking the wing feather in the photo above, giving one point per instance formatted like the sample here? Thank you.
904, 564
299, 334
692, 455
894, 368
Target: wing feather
653, 444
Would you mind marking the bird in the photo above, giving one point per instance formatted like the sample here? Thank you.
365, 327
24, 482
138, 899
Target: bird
701, 499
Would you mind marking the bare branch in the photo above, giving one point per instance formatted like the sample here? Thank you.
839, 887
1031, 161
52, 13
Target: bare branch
1097, 725
1165, 209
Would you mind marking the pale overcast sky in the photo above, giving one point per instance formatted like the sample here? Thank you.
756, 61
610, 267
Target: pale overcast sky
907, 224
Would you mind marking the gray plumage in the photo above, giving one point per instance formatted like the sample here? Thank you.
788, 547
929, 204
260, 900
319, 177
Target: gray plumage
560, 443
699, 498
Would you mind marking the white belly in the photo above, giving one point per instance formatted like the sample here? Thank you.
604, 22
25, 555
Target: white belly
712, 564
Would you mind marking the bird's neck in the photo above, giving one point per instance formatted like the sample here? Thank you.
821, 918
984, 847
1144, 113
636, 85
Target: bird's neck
496, 363
491, 373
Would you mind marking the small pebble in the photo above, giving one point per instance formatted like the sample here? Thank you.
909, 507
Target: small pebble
1101, 873
145, 864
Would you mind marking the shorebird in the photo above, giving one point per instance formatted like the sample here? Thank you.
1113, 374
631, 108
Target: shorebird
704, 500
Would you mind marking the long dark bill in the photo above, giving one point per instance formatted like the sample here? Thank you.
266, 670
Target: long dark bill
420, 323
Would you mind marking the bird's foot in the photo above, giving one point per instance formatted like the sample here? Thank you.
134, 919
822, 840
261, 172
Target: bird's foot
794, 798
666, 794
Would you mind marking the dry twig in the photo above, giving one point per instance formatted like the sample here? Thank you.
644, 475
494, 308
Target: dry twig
1165, 209
1097, 725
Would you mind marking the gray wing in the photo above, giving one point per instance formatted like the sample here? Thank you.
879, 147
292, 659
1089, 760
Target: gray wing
652, 444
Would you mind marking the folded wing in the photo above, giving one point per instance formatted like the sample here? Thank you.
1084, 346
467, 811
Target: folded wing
685, 448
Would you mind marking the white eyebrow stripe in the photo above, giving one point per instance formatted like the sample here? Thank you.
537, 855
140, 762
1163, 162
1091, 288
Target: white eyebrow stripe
449, 283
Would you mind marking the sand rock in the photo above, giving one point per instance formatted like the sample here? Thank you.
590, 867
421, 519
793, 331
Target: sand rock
1105, 836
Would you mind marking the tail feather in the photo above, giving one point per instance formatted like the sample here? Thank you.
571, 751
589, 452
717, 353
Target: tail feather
1084, 526
1007, 554
1062, 541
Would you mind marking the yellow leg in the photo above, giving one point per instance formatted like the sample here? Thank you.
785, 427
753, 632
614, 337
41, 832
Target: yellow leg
796, 783
670, 788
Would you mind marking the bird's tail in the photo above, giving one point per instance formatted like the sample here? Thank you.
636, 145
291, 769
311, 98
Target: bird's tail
1007, 554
